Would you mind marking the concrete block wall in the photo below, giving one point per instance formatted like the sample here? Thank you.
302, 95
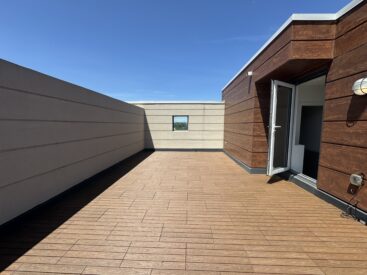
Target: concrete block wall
55, 134
206, 120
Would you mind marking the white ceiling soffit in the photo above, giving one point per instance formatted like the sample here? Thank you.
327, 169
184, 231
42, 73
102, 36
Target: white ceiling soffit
299, 17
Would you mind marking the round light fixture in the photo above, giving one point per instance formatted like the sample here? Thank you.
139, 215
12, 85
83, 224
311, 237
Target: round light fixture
360, 86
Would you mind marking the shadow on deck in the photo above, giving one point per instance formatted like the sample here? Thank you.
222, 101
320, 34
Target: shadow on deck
21, 234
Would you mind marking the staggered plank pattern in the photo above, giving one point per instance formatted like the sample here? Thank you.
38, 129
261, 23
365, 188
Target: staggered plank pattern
187, 213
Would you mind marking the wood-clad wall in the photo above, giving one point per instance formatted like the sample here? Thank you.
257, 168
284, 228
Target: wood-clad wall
344, 136
301, 47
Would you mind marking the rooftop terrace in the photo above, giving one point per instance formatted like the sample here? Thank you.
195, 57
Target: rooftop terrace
184, 213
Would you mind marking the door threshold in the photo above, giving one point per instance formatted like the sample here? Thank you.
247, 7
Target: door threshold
305, 179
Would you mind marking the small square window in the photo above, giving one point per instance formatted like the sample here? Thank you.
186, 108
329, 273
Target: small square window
180, 123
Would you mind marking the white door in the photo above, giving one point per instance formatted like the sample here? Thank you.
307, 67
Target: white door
280, 122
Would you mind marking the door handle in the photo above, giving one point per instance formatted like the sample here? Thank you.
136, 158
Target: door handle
277, 126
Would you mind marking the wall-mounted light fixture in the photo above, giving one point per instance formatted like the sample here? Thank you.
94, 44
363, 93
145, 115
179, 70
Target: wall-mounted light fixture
249, 73
360, 86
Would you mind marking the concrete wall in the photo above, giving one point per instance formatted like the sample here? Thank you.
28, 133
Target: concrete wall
205, 125
55, 135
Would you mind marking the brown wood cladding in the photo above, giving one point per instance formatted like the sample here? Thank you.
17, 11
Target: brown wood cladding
342, 87
352, 62
348, 133
312, 49
247, 142
346, 159
247, 104
306, 30
250, 129
351, 40
344, 134
350, 108
306, 47
352, 19
249, 158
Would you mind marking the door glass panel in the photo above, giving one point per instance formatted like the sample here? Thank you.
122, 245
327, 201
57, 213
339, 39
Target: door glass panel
282, 126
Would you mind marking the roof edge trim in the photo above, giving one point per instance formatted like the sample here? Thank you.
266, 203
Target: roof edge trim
297, 17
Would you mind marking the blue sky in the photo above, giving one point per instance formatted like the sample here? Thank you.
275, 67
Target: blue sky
144, 49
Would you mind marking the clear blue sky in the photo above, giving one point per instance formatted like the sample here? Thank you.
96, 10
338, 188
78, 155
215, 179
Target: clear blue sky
144, 49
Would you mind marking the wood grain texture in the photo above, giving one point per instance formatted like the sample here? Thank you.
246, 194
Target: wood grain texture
241, 106
350, 63
304, 49
333, 182
238, 92
351, 40
336, 183
312, 49
342, 87
346, 159
303, 30
178, 213
247, 98
273, 48
251, 115
252, 129
352, 19
249, 143
345, 133
252, 159
351, 108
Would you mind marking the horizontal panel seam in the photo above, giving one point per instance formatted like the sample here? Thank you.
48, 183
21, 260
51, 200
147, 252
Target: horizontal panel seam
243, 134
252, 108
349, 30
171, 131
70, 164
344, 96
333, 169
67, 141
343, 120
184, 115
344, 145
191, 139
244, 148
250, 122
253, 62
69, 121
346, 76
197, 123
234, 104
190, 110
275, 53
73, 101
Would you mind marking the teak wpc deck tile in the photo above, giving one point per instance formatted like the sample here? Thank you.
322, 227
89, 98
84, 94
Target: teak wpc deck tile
187, 213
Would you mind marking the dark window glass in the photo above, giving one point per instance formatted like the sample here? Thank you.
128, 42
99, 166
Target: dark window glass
283, 118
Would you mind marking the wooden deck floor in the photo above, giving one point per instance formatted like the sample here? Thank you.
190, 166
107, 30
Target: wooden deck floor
185, 213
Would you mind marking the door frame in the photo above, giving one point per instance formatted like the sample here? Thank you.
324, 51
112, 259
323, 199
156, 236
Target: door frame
272, 121
297, 107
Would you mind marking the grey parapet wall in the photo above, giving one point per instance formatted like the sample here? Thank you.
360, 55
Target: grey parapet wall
55, 134
205, 129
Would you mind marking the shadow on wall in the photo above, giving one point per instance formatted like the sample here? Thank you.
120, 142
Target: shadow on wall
263, 93
357, 106
21, 234
148, 140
